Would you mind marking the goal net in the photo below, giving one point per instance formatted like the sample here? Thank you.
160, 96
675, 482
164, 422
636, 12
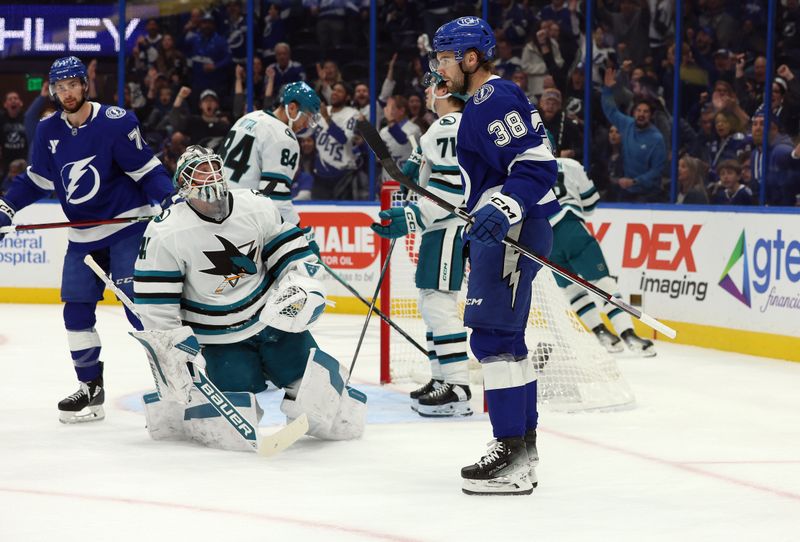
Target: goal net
574, 371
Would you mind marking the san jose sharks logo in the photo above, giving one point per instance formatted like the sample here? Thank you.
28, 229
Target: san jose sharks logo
231, 263
81, 180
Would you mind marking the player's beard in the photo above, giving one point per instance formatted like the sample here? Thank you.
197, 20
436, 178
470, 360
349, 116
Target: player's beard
459, 87
76, 107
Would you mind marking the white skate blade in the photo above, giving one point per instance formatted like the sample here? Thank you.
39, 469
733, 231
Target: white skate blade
460, 408
516, 484
279, 441
87, 414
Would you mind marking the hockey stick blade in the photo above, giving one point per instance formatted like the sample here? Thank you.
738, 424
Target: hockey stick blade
378, 146
285, 437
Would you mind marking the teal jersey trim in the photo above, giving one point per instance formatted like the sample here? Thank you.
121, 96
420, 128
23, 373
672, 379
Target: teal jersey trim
439, 186
168, 274
225, 331
156, 300
232, 306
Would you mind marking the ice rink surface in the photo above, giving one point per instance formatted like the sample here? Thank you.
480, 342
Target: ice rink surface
711, 452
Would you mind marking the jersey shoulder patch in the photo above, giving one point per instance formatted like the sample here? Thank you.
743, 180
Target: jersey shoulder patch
483, 94
113, 112
447, 120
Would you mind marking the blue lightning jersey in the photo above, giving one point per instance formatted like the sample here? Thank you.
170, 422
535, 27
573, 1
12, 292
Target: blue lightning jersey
100, 170
502, 147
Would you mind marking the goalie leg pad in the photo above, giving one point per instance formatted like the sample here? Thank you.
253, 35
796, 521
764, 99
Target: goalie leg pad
347, 424
204, 424
201, 422
335, 411
168, 352
164, 418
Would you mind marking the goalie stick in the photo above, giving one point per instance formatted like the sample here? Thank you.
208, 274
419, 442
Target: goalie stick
373, 139
78, 224
264, 446
375, 309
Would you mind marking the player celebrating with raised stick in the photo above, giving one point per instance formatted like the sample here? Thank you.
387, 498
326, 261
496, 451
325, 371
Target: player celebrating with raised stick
223, 267
440, 268
261, 150
508, 173
96, 160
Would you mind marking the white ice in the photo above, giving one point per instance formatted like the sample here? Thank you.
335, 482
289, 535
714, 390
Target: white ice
711, 452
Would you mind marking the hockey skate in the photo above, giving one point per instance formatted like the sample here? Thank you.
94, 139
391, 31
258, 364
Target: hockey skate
85, 405
432, 385
638, 345
502, 471
609, 341
533, 456
448, 400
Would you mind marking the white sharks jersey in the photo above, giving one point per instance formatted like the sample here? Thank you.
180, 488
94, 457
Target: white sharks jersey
214, 276
335, 143
439, 172
575, 191
398, 139
258, 150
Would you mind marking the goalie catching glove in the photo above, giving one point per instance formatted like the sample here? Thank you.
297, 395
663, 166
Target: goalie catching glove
402, 221
296, 301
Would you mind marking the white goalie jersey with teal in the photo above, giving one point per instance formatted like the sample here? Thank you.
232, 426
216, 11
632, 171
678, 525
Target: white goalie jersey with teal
233, 267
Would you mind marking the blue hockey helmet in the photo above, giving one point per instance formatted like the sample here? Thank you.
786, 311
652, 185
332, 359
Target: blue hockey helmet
67, 67
464, 33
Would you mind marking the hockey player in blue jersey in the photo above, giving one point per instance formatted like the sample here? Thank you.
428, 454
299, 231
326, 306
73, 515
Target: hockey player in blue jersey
96, 160
508, 173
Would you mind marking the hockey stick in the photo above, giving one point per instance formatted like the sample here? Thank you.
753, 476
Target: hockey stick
77, 224
372, 306
378, 147
375, 309
265, 446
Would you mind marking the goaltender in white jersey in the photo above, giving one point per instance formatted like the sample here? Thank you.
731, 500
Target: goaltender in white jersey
223, 266
261, 151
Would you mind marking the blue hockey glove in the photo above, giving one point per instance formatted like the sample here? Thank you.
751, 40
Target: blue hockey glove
492, 221
403, 220
6, 215
309, 234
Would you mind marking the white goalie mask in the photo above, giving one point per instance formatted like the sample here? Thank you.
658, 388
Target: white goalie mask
199, 179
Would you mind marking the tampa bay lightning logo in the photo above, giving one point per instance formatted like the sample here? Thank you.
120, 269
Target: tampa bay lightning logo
482, 94
468, 21
115, 112
81, 180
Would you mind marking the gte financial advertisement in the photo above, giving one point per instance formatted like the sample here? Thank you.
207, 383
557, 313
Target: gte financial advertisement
733, 270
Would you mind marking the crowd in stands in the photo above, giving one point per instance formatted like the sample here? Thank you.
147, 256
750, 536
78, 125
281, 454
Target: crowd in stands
187, 84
